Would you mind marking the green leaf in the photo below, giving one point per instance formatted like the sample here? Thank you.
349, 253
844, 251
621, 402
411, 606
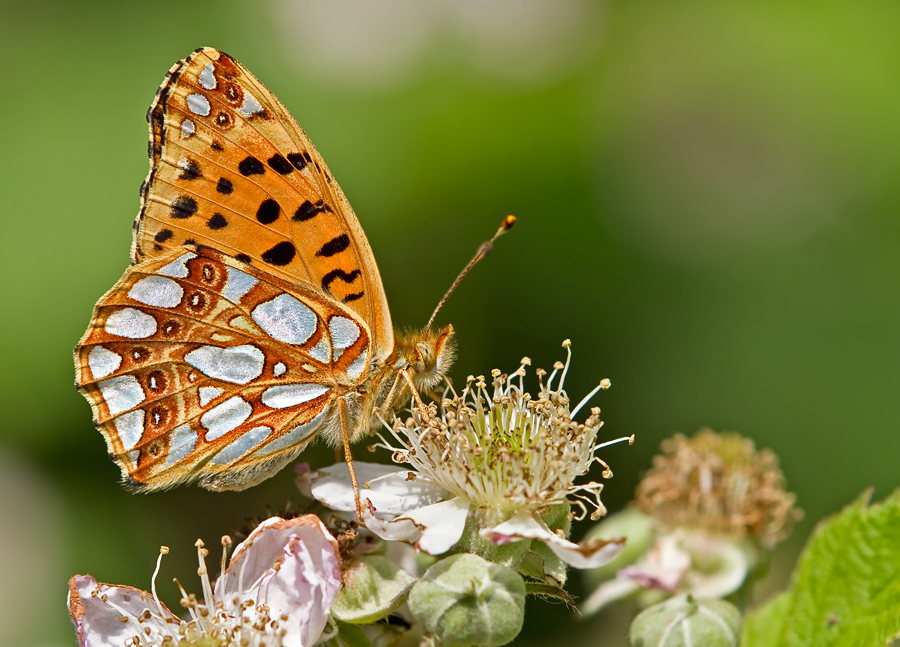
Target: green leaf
846, 589
764, 626
374, 586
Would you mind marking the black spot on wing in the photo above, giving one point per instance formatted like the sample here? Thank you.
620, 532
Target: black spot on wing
216, 146
243, 258
334, 246
184, 206
333, 275
308, 210
251, 166
297, 160
268, 211
217, 221
163, 235
190, 171
352, 297
280, 164
224, 186
281, 254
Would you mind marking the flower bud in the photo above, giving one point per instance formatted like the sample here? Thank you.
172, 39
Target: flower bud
466, 600
682, 621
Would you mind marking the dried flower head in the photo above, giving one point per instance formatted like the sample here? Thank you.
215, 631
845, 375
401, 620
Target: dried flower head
719, 482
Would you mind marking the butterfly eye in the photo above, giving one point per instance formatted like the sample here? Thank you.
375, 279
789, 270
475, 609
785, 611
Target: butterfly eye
425, 356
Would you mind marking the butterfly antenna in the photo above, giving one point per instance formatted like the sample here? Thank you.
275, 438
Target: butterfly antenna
483, 251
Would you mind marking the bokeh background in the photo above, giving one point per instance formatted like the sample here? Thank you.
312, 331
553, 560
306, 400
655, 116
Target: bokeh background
708, 207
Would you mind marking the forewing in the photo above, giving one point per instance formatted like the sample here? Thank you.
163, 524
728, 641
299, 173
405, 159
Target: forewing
199, 367
231, 169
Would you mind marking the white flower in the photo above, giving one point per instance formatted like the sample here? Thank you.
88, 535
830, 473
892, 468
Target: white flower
501, 458
275, 592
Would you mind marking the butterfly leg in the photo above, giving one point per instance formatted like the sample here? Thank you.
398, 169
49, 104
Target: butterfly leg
349, 458
414, 391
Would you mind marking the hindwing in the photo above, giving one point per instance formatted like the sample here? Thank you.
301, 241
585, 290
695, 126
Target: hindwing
198, 366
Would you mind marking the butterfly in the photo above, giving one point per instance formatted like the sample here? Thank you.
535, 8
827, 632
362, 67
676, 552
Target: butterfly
253, 318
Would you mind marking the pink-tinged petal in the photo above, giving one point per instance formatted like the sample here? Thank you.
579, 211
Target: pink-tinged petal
390, 490
98, 611
587, 554
264, 551
663, 567
434, 528
300, 592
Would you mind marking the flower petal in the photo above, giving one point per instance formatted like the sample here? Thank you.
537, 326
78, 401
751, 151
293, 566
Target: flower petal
390, 490
98, 611
733, 565
265, 550
663, 567
300, 591
587, 554
435, 528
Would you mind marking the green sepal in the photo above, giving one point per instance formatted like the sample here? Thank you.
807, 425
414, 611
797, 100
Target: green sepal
549, 591
508, 554
373, 587
541, 563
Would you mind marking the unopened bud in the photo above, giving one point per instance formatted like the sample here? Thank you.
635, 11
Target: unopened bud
466, 600
682, 621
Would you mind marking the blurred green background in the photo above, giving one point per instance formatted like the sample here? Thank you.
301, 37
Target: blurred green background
708, 207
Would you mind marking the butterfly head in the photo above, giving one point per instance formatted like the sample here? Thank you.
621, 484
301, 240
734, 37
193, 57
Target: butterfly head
428, 355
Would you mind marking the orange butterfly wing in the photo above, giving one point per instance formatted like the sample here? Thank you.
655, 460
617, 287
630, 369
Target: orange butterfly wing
253, 313
200, 367
231, 169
